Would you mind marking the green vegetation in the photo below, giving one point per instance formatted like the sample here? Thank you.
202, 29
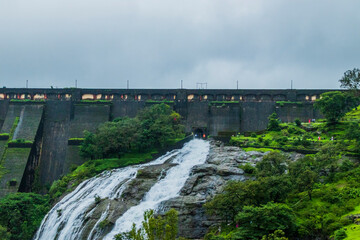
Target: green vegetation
314, 195
248, 149
154, 127
274, 123
21, 141
283, 103
21, 215
154, 227
310, 198
160, 101
4, 136
93, 167
351, 79
95, 101
3, 170
123, 142
277, 235
334, 105
76, 139
13, 128
306, 137
27, 100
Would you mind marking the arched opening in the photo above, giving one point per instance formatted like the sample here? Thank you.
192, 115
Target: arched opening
199, 133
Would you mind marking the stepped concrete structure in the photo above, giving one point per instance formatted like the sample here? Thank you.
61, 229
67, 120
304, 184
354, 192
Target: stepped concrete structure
38, 125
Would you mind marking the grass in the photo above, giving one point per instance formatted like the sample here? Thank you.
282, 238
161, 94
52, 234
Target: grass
112, 163
3, 170
352, 232
175, 140
292, 137
93, 167
282, 103
27, 100
356, 211
248, 149
76, 139
20, 141
159, 101
353, 115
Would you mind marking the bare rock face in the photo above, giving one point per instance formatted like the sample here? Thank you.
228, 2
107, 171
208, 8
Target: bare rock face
204, 182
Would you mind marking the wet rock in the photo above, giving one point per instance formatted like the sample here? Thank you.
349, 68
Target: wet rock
207, 180
227, 171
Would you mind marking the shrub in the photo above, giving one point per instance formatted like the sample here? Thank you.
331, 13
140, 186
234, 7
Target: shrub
297, 122
274, 123
305, 141
97, 199
255, 222
282, 140
248, 168
266, 142
285, 132
21, 214
340, 234
104, 223
154, 227
346, 165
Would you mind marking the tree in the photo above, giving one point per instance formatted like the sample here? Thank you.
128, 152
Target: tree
297, 122
21, 214
154, 127
255, 222
154, 228
234, 196
88, 147
327, 159
335, 104
271, 164
277, 235
274, 188
351, 79
4, 234
238, 194
159, 123
352, 132
306, 181
274, 122
303, 174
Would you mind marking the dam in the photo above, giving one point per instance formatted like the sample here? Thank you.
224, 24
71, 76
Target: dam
40, 127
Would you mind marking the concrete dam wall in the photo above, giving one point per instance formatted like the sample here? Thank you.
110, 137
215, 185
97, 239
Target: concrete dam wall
36, 124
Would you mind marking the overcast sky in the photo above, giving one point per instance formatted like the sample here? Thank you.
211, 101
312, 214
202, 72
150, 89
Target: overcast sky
158, 43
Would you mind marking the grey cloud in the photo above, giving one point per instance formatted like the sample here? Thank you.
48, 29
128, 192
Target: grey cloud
157, 43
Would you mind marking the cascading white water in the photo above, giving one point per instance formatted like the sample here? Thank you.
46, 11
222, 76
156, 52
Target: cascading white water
65, 220
169, 187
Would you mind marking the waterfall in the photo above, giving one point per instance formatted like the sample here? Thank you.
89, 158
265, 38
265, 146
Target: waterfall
169, 187
66, 219
21, 117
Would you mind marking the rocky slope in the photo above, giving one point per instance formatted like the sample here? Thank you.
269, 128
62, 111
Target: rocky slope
205, 180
